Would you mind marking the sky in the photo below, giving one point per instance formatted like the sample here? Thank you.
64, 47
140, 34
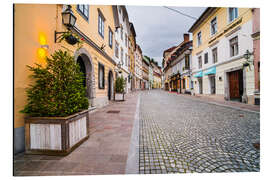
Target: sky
158, 28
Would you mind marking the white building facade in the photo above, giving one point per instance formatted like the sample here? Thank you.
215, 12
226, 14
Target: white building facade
218, 68
121, 45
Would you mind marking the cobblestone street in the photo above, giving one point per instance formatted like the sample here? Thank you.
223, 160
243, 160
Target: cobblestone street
180, 135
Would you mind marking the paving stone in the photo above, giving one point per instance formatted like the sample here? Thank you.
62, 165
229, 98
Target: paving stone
195, 136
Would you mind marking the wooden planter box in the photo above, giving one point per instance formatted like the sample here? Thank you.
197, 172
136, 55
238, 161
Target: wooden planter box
119, 96
56, 135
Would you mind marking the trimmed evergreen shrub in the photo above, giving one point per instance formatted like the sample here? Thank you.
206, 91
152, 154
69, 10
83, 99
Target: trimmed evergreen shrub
120, 85
58, 88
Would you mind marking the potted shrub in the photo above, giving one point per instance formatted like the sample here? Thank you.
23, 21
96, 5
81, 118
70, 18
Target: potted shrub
57, 107
119, 94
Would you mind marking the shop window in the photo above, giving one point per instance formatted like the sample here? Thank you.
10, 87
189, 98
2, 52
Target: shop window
234, 46
101, 79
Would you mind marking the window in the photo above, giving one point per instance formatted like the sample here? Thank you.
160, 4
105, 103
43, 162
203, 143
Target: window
126, 40
234, 46
101, 80
186, 61
101, 20
199, 38
233, 14
116, 51
110, 37
121, 33
215, 55
122, 58
205, 58
83, 10
214, 26
126, 60
200, 62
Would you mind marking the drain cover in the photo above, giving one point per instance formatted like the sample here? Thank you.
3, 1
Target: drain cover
113, 111
257, 145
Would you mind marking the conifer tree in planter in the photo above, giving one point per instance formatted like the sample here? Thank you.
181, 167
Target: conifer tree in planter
57, 107
119, 89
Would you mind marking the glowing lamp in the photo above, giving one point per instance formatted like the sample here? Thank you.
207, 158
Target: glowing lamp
42, 39
42, 53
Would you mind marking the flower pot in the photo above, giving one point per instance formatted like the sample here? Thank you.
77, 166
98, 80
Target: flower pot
119, 96
71, 40
56, 135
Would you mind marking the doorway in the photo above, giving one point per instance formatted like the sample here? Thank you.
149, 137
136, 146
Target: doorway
82, 69
110, 85
236, 85
212, 80
200, 85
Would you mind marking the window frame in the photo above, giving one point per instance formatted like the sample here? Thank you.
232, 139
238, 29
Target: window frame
200, 62
235, 14
116, 50
187, 61
82, 13
199, 40
234, 46
211, 26
101, 26
206, 55
101, 85
213, 55
110, 38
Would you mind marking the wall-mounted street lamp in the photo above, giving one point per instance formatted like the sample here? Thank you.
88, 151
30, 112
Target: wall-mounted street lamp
68, 19
249, 61
119, 65
247, 55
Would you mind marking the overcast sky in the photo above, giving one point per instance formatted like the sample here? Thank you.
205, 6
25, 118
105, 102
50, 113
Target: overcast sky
158, 28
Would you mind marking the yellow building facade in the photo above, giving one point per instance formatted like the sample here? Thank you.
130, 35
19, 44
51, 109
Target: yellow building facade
131, 52
221, 37
34, 39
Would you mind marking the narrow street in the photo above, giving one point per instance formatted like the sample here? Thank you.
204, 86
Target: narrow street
180, 135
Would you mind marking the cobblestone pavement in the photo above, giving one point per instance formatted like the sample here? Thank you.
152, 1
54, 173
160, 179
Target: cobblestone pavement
182, 135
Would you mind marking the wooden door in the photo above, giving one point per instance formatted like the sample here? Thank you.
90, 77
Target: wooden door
234, 84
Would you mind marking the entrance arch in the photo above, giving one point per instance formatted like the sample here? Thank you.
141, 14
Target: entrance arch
110, 85
83, 58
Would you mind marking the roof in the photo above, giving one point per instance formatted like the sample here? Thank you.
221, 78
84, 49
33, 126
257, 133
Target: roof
204, 15
169, 50
146, 60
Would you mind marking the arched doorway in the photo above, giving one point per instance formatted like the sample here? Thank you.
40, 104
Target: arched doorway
83, 58
82, 69
110, 85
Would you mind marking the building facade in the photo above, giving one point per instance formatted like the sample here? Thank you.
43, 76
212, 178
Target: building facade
145, 73
166, 67
221, 36
256, 52
180, 78
35, 38
121, 54
131, 52
138, 68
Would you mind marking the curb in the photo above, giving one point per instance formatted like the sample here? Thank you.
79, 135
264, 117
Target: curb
132, 164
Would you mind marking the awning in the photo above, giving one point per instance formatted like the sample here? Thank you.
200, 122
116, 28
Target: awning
198, 74
211, 70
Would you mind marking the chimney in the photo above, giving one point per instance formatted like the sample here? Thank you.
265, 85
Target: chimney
186, 37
